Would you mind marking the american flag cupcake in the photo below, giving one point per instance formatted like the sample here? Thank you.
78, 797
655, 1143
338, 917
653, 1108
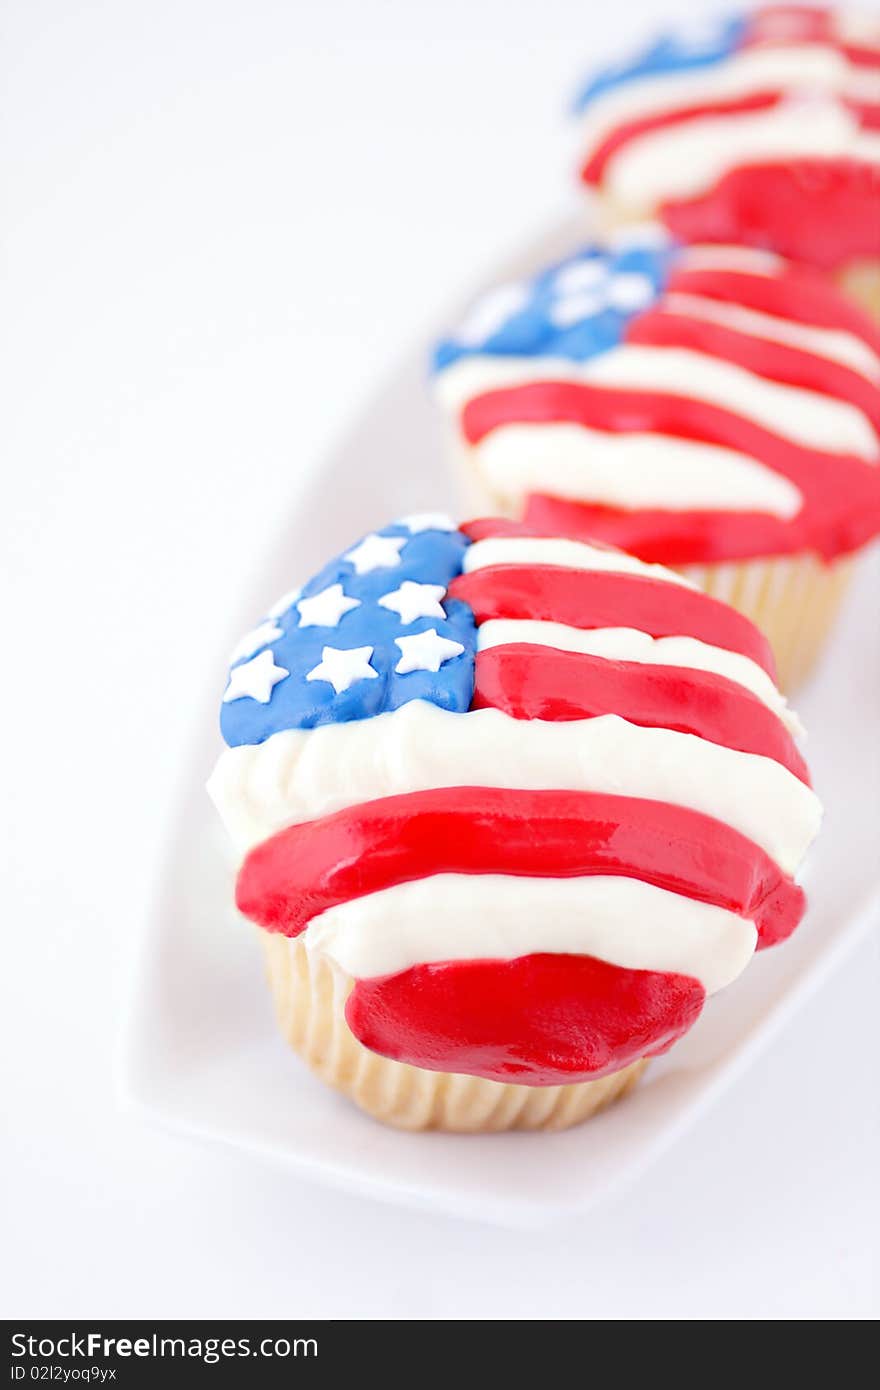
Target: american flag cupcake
711, 408
507, 809
758, 127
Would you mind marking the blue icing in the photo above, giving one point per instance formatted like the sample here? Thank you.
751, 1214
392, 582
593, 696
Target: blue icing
427, 557
577, 308
702, 45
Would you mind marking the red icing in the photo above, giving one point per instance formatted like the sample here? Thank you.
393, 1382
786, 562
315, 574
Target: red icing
775, 361
791, 292
840, 511
571, 685
594, 167
539, 1019
868, 113
821, 211
305, 869
805, 24
591, 599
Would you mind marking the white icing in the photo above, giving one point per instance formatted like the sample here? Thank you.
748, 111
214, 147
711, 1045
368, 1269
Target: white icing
835, 345
809, 418
428, 521
625, 290
564, 554
623, 921
807, 68
491, 311
629, 644
683, 161
858, 26
326, 608
262, 636
341, 667
255, 679
285, 603
425, 651
375, 553
748, 260
629, 470
412, 601
301, 774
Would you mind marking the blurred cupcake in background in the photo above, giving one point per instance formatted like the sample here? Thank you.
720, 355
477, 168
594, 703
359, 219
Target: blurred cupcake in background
761, 127
712, 408
507, 812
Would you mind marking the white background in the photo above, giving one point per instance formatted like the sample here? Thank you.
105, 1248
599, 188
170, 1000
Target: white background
222, 221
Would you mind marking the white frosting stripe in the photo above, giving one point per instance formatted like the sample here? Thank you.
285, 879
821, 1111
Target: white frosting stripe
808, 418
564, 554
301, 774
739, 260
683, 160
623, 921
811, 419
748, 73
629, 470
835, 345
628, 644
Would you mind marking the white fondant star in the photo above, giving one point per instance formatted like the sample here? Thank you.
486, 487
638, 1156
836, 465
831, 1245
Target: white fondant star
260, 637
341, 668
326, 608
428, 521
284, 603
580, 275
413, 601
629, 290
575, 307
256, 679
426, 651
376, 552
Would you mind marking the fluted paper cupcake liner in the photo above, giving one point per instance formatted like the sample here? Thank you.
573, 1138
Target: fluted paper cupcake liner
310, 993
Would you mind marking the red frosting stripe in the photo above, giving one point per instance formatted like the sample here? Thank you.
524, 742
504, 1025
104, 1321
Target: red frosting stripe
540, 1019
305, 869
841, 507
487, 527
573, 685
593, 598
765, 357
693, 538
823, 211
595, 166
804, 24
796, 293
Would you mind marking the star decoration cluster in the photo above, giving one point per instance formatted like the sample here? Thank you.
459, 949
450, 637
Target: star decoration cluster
373, 630
576, 309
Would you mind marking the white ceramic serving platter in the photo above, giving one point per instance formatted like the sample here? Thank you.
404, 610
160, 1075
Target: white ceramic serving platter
201, 1054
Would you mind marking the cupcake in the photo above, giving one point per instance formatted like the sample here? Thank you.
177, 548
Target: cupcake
711, 408
506, 810
761, 128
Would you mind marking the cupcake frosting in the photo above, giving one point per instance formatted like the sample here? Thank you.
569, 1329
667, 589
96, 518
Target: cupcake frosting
761, 126
537, 798
687, 403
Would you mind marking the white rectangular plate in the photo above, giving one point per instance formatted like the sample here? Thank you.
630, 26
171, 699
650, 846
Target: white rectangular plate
201, 1054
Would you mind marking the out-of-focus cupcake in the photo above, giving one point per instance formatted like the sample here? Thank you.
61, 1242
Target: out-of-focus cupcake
762, 128
507, 810
712, 408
